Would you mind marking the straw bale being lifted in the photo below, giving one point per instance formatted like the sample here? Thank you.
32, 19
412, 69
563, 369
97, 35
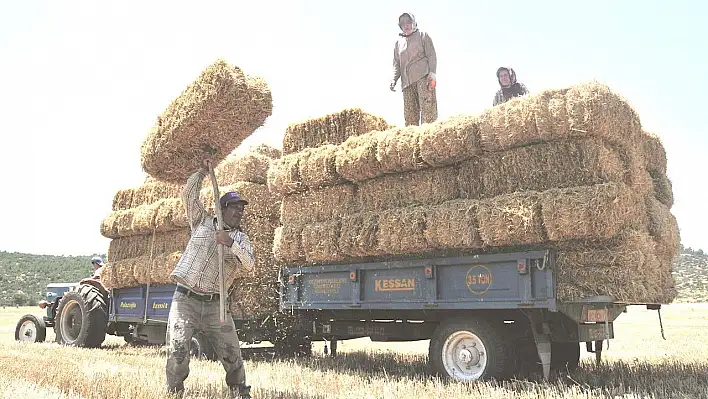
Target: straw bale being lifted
318, 205
330, 129
423, 187
216, 112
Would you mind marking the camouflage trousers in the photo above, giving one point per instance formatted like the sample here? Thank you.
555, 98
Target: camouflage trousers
420, 104
189, 316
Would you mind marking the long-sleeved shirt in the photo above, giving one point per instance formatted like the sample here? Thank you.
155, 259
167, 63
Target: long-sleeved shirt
414, 58
198, 269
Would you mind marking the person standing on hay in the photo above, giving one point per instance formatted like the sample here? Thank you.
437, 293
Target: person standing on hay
510, 88
415, 62
195, 303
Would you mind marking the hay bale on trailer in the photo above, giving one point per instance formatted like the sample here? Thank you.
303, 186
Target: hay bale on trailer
216, 112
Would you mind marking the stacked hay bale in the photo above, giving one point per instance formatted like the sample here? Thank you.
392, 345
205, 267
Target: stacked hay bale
570, 169
148, 236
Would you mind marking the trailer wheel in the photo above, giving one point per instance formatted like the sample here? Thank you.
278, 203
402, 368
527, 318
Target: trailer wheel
469, 350
30, 329
565, 356
201, 348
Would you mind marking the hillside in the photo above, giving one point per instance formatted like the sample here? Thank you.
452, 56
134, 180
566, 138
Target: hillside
30, 274
23, 277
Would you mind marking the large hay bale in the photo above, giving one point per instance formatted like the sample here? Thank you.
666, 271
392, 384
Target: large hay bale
590, 212
356, 158
398, 150
153, 190
122, 273
218, 110
615, 267
541, 167
123, 199
108, 276
171, 215
655, 153
109, 225
453, 225
401, 231
664, 228
284, 174
450, 141
511, 219
662, 188
316, 205
143, 245
317, 167
359, 235
163, 266
423, 187
330, 129
593, 109
320, 241
124, 222
287, 244
143, 220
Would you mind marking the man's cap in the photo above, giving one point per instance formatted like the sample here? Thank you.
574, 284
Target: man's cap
230, 198
97, 260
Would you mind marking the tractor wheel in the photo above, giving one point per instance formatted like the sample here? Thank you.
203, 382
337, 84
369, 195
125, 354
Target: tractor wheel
30, 329
470, 350
82, 316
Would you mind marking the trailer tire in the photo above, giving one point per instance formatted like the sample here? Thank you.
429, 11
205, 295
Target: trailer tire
201, 348
82, 317
470, 350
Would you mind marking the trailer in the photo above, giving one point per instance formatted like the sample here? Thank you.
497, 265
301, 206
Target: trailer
486, 316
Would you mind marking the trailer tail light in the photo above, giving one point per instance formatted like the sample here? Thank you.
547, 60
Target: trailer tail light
43, 304
352, 275
291, 279
428, 272
521, 266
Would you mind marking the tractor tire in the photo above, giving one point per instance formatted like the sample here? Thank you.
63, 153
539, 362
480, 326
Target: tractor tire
470, 350
30, 328
82, 317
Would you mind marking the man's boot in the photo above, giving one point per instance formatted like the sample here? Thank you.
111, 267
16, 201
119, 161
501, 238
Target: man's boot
241, 392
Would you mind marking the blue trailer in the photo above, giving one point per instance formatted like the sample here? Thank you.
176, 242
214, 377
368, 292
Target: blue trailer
486, 316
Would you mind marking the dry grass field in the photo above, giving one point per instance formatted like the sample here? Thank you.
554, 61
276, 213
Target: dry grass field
638, 364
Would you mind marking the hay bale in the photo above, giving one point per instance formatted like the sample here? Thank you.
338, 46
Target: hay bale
617, 267
511, 219
541, 167
284, 174
152, 191
143, 245
356, 159
662, 188
449, 142
511, 124
470, 177
359, 235
122, 273
401, 231
143, 220
320, 241
664, 228
163, 266
249, 167
655, 153
593, 109
268, 151
590, 212
109, 225
668, 285
218, 110
108, 277
453, 225
317, 205
330, 129
398, 150
171, 215
287, 244
124, 222
423, 187
317, 167
551, 114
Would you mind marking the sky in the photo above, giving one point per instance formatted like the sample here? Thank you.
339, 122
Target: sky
81, 83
